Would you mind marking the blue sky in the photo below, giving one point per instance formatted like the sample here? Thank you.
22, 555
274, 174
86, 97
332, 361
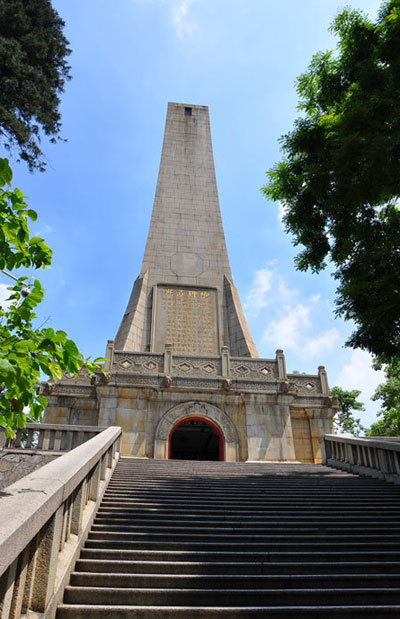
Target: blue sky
130, 57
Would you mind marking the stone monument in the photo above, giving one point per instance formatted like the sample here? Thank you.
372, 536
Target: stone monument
183, 376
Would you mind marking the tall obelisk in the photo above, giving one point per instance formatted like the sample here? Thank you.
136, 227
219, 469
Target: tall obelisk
184, 295
184, 363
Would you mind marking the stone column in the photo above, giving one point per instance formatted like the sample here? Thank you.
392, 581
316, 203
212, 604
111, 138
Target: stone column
316, 432
280, 359
323, 377
109, 355
226, 370
288, 451
168, 360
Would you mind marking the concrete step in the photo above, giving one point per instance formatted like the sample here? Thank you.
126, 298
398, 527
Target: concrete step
233, 597
236, 536
249, 517
297, 524
240, 581
176, 539
81, 611
247, 527
108, 541
217, 508
260, 501
251, 555
111, 566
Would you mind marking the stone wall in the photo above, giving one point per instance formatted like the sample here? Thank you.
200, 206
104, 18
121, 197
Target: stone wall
15, 465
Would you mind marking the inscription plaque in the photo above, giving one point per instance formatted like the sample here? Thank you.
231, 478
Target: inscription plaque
186, 318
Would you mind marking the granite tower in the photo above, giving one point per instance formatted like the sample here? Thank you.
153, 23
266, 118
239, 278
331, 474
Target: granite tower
184, 379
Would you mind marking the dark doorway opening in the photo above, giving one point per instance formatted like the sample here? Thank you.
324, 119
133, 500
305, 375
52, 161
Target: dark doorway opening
196, 439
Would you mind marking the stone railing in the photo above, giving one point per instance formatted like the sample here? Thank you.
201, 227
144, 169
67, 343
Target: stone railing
45, 518
50, 437
365, 456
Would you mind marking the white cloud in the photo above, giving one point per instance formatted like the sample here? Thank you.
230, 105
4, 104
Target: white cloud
293, 327
257, 296
359, 374
181, 20
45, 230
267, 287
323, 342
4, 294
286, 332
179, 15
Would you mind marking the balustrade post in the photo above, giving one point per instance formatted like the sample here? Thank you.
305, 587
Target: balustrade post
324, 450
225, 361
103, 467
168, 359
7, 590
280, 361
396, 462
46, 562
77, 508
20, 582
32, 554
57, 441
109, 355
382, 461
349, 453
46, 439
94, 483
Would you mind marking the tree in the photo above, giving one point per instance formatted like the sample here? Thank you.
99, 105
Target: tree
345, 420
339, 179
33, 70
388, 423
26, 351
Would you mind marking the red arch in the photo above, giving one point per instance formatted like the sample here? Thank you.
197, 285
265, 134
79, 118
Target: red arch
209, 423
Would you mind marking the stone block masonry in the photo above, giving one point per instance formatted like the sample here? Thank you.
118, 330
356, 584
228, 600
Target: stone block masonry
184, 352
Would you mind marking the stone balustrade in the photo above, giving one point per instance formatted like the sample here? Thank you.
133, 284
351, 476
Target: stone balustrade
50, 437
364, 456
242, 373
45, 518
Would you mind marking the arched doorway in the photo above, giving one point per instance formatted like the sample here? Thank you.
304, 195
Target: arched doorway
194, 438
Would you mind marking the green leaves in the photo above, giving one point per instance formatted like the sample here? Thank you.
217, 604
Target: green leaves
33, 71
5, 173
339, 178
345, 421
27, 352
17, 249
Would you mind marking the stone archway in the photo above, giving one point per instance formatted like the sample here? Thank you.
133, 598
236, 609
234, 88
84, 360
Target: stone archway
202, 410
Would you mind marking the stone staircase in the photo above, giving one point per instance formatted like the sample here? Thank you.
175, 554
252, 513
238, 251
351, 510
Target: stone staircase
188, 539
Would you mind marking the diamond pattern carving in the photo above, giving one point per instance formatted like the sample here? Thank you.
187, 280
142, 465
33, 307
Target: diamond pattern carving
309, 386
184, 367
209, 367
242, 370
126, 364
266, 371
150, 365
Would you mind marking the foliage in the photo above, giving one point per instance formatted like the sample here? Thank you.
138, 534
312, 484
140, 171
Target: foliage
388, 423
33, 70
339, 179
26, 351
345, 420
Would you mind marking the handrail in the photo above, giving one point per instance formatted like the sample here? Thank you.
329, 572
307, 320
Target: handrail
365, 456
45, 518
49, 436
